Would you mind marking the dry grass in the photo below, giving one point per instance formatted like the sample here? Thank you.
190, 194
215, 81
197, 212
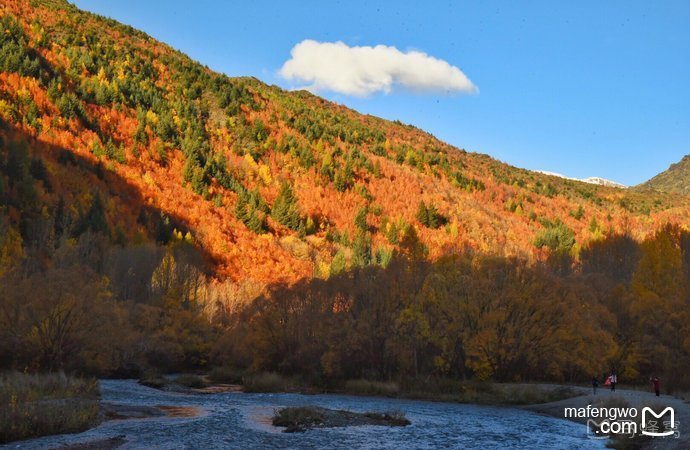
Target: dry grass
38, 405
22, 387
369, 387
532, 394
268, 382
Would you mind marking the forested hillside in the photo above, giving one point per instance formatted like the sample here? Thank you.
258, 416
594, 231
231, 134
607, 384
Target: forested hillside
143, 194
272, 184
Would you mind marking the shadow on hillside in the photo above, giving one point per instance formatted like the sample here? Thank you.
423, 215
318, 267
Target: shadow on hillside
129, 210
468, 315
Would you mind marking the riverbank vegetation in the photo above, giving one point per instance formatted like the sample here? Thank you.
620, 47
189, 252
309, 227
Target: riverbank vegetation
34, 405
463, 316
428, 388
433, 389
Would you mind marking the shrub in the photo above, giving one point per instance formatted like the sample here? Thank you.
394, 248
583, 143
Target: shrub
153, 379
190, 380
225, 375
267, 382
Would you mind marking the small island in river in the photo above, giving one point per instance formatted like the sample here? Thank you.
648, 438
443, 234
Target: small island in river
297, 419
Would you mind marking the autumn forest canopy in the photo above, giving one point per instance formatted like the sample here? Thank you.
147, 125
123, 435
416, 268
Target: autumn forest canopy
157, 215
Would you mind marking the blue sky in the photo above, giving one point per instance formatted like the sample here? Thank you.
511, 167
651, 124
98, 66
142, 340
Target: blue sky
581, 88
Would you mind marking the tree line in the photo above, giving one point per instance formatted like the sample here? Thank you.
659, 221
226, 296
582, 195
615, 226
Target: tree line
117, 310
623, 307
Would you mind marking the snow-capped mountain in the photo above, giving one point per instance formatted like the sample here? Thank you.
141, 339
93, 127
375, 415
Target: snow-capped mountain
591, 180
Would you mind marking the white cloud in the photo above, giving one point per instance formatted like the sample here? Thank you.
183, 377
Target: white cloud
361, 71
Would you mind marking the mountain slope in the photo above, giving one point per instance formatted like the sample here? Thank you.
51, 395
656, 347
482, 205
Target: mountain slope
273, 186
156, 217
675, 179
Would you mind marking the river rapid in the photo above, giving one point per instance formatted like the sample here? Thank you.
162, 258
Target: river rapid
242, 421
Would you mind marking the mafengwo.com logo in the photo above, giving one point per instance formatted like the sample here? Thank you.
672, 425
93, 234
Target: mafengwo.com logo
650, 422
605, 422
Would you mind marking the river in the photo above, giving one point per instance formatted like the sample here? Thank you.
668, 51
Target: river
242, 421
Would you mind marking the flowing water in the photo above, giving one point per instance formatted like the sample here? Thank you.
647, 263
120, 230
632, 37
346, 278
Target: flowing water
238, 420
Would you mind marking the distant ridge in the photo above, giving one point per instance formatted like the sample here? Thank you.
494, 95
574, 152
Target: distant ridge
676, 179
591, 180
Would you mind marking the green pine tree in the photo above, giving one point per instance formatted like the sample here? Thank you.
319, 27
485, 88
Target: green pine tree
338, 264
285, 209
361, 219
361, 251
422, 214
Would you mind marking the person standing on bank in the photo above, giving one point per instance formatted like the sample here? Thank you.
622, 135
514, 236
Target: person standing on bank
595, 385
655, 384
614, 380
